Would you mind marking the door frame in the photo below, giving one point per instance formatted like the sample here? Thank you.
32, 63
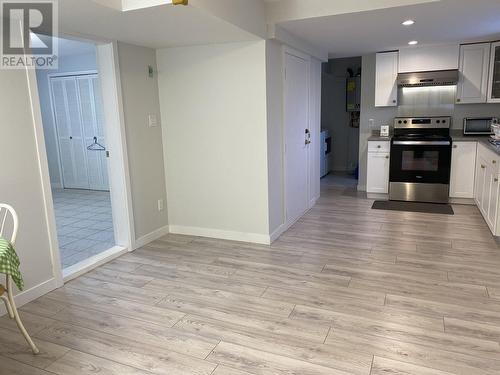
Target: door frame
53, 115
118, 167
286, 50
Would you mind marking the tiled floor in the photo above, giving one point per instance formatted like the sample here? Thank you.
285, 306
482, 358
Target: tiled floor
84, 224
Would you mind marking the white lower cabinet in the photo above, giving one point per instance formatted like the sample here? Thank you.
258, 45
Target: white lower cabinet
377, 180
487, 186
463, 169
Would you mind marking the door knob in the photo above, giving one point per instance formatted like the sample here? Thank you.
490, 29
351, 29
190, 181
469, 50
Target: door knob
496, 179
494, 161
455, 146
308, 142
387, 157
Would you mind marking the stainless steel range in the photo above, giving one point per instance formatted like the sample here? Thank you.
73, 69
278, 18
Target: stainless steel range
420, 160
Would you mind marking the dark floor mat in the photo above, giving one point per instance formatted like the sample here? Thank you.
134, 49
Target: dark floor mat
429, 208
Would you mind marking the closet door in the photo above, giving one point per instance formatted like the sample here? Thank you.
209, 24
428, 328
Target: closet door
91, 112
296, 146
72, 156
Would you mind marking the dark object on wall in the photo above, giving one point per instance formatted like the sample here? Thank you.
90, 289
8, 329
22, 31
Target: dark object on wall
353, 94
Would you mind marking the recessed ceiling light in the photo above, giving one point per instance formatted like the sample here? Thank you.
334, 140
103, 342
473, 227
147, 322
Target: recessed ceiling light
408, 23
413, 42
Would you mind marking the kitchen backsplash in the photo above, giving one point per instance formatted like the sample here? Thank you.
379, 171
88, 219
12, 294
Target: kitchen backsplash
440, 101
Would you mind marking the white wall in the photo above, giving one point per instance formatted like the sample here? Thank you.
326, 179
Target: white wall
67, 63
144, 143
213, 102
21, 181
274, 74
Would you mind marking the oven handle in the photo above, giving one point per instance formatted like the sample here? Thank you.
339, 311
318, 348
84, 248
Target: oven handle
422, 143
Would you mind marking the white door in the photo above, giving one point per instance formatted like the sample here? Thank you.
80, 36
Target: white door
296, 124
378, 173
463, 169
69, 132
78, 116
91, 110
474, 69
479, 193
386, 74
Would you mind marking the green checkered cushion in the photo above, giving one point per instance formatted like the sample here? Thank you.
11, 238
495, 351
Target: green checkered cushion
9, 262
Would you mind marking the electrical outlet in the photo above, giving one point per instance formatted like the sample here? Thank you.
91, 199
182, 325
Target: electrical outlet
161, 205
152, 121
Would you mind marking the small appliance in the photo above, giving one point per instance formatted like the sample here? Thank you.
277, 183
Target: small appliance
479, 125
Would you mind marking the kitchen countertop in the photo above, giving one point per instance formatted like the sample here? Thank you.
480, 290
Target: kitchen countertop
376, 137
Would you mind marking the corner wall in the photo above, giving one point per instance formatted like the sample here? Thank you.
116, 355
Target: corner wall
213, 102
144, 143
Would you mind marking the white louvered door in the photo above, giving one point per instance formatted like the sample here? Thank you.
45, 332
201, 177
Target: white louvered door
78, 116
88, 89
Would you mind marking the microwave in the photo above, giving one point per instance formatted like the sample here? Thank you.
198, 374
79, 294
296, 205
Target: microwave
478, 125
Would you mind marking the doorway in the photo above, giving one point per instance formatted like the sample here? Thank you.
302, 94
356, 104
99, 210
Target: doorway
340, 115
88, 221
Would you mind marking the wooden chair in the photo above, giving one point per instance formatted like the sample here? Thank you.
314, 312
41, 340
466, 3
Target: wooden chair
6, 293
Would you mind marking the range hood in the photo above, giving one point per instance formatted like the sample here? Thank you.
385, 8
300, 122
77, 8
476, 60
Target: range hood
432, 78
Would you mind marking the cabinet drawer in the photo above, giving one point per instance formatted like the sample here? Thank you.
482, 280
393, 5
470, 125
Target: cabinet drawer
490, 158
379, 146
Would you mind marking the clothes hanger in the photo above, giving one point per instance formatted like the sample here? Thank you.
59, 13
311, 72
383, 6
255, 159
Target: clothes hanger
96, 146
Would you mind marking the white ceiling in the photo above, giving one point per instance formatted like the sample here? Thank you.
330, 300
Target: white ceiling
156, 27
446, 21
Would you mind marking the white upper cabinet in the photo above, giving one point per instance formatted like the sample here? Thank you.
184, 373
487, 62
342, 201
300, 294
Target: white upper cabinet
494, 77
386, 74
428, 58
474, 70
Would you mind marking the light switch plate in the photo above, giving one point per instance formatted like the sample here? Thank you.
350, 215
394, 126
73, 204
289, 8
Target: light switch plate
161, 205
152, 121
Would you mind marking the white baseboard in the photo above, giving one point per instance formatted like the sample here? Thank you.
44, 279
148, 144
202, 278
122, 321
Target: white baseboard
284, 227
32, 294
221, 234
150, 237
56, 185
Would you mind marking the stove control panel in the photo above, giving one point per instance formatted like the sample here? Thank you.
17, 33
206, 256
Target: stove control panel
422, 122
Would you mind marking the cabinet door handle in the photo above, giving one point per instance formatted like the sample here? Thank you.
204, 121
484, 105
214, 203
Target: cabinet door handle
387, 156
482, 166
494, 161
455, 146
379, 146
459, 100
495, 179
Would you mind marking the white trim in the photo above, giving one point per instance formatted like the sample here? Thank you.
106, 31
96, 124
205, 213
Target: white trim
221, 234
114, 130
33, 293
43, 166
91, 263
150, 237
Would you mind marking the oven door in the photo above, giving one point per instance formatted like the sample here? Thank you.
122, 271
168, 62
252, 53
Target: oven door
420, 170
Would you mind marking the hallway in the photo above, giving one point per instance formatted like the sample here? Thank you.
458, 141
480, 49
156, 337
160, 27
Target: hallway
347, 290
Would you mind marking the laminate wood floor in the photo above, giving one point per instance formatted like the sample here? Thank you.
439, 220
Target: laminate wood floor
347, 290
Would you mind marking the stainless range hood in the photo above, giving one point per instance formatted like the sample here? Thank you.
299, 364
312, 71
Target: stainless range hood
433, 78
